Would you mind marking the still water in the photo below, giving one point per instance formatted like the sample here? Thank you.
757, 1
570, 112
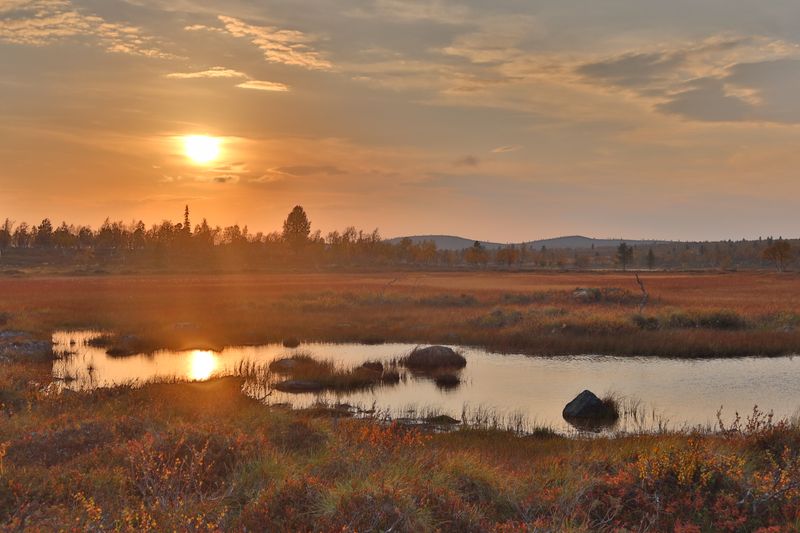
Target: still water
677, 392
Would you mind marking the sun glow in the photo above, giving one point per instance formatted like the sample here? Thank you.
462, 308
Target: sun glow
201, 149
202, 364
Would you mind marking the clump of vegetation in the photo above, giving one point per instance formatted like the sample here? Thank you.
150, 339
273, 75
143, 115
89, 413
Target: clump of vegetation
449, 300
649, 323
525, 298
499, 318
715, 320
118, 345
307, 374
608, 295
723, 319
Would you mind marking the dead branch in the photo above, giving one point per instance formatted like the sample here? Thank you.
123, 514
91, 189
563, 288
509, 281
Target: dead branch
645, 295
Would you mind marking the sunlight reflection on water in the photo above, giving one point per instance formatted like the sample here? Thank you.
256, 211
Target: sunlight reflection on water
202, 365
682, 392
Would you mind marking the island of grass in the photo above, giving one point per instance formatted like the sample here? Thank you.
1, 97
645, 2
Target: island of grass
304, 373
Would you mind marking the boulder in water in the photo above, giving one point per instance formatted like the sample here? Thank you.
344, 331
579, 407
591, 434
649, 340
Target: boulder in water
299, 385
588, 406
434, 357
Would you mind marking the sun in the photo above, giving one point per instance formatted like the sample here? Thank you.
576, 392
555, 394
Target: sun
201, 149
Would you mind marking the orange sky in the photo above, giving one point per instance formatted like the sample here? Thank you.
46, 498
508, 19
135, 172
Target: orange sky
501, 121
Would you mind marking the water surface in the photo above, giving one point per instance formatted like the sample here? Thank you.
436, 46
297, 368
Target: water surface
679, 391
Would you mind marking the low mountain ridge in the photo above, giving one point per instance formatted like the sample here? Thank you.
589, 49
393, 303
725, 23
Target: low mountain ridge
452, 242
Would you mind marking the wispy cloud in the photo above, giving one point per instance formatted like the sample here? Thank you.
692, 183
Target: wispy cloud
705, 81
306, 170
289, 47
414, 10
213, 72
260, 85
467, 161
506, 149
44, 22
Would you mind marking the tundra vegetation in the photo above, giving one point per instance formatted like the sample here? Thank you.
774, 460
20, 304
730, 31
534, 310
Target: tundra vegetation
192, 456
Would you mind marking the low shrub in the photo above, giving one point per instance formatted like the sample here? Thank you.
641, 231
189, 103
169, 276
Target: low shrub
168, 468
291, 506
721, 320
298, 437
448, 300
718, 320
608, 295
524, 298
498, 318
649, 323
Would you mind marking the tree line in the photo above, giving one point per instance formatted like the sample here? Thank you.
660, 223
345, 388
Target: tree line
178, 244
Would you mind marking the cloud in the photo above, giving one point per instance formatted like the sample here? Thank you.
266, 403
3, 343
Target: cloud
633, 70
306, 170
225, 179
227, 73
259, 85
498, 39
44, 22
506, 149
467, 161
719, 79
288, 47
705, 99
213, 72
414, 10
764, 91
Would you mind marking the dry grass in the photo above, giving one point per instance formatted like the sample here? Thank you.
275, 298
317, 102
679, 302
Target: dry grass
202, 456
688, 315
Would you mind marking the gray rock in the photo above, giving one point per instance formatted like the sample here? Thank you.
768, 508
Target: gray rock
9, 333
434, 357
587, 405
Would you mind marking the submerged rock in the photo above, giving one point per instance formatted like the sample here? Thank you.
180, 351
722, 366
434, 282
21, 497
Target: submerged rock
443, 420
375, 366
299, 385
291, 342
587, 405
283, 366
447, 381
434, 357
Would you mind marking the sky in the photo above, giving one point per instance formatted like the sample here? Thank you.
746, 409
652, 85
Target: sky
507, 120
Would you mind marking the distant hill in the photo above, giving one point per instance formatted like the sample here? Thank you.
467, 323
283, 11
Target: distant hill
446, 242
451, 242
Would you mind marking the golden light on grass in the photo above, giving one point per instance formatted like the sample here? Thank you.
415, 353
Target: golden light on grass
202, 364
202, 149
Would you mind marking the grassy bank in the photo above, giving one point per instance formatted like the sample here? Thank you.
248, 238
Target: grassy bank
201, 456
692, 315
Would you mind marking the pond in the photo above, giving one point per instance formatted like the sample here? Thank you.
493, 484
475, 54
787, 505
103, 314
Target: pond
673, 392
